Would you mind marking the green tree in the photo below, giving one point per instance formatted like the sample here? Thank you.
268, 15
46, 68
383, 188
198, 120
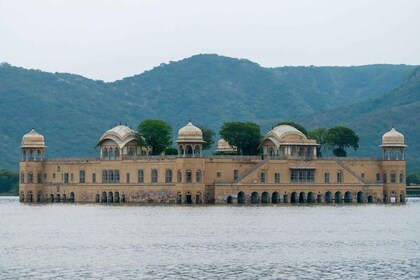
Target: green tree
156, 134
245, 136
171, 151
295, 125
318, 135
339, 138
208, 136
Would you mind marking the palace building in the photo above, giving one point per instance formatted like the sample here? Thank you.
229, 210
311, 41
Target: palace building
287, 172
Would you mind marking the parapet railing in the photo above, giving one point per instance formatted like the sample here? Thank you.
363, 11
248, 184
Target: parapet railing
80, 159
124, 157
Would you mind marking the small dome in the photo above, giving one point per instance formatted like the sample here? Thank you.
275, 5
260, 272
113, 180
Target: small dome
393, 139
190, 133
224, 146
33, 140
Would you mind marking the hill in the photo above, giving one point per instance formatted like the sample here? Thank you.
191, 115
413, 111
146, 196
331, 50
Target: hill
72, 111
373, 116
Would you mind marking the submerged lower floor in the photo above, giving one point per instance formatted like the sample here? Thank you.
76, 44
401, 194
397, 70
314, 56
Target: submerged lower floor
214, 194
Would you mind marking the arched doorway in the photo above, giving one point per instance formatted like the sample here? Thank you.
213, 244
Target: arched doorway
188, 197
57, 198
370, 199
275, 197
51, 197
188, 151
64, 197
241, 197
123, 198
328, 197
294, 197
103, 199
72, 197
347, 197
30, 197
311, 197
393, 197
117, 197
265, 197
179, 198
110, 197
319, 198
198, 199
255, 198
97, 198
302, 197
39, 198
229, 199
337, 198
402, 197
360, 197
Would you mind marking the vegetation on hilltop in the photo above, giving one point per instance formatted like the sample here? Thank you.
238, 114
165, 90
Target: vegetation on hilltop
212, 89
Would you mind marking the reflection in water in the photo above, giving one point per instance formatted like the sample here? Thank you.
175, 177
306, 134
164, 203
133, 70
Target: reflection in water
254, 241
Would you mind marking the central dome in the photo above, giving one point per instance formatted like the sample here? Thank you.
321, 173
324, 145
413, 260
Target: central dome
190, 133
393, 138
33, 140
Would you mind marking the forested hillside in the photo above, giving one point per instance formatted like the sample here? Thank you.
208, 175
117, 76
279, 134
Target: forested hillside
72, 111
373, 116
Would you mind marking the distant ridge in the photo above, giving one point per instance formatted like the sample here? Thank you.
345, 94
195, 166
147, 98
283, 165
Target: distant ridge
72, 111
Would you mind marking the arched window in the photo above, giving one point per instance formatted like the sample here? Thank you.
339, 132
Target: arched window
117, 153
140, 176
30, 178
131, 151
198, 176
197, 150
179, 176
168, 176
188, 150
188, 176
154, 175
111, 154
105, 153
294, 152
262, 177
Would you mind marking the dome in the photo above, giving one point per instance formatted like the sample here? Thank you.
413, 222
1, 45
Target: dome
190, 133
120, 134
33, 140
283, 130
393, 139
121, 130
223, 146
286, 135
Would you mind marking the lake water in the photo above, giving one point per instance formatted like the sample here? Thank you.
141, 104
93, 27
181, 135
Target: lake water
209, 242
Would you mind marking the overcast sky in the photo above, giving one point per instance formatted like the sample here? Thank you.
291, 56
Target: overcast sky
109, 40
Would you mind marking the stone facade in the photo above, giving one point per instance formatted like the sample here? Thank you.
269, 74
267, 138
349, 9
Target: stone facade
288, 172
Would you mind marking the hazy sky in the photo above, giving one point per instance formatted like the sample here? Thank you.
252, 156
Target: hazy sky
109, 40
